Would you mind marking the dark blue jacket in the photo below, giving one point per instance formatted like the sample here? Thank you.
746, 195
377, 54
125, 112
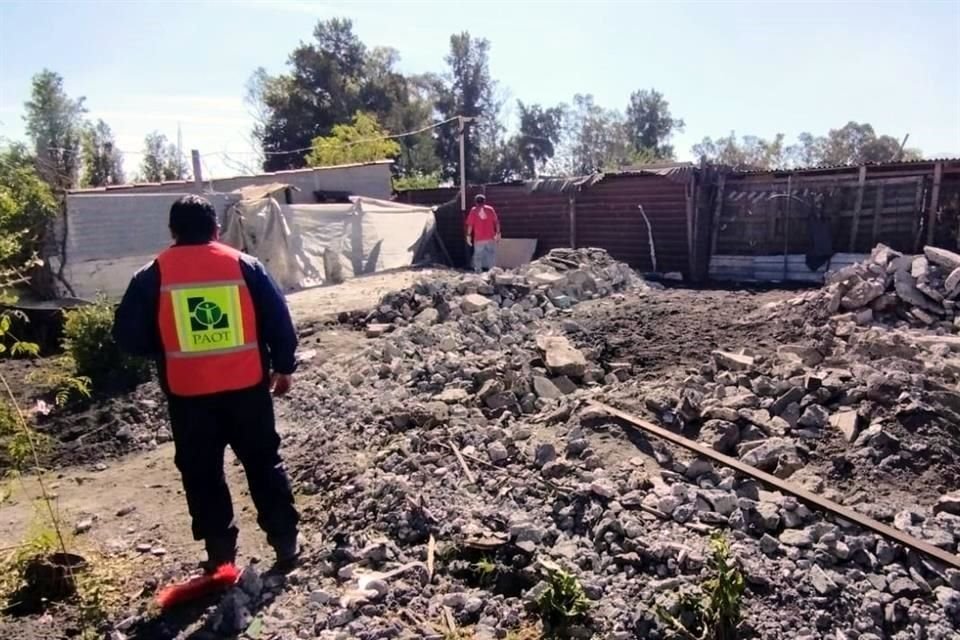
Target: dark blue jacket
136, 326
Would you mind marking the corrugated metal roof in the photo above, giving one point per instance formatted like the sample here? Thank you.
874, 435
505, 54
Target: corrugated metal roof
285, 172
843, 167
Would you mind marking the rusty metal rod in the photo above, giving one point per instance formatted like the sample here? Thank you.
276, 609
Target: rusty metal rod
786, 487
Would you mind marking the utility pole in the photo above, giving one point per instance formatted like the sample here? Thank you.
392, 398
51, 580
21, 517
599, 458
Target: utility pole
197, 176
463, 163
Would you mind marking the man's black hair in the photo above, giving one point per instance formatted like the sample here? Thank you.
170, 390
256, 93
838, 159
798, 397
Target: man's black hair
480, 199
193, 220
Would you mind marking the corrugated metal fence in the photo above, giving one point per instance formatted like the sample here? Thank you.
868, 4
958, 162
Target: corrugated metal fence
606, 214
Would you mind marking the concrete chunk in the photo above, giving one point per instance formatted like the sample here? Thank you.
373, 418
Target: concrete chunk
941, 257
733, 361
561, 357
475, 302
848, 423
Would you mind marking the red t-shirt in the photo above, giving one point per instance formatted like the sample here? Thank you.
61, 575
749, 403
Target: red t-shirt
483, 228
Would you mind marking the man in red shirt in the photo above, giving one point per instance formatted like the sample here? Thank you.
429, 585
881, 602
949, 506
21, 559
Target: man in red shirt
483, 233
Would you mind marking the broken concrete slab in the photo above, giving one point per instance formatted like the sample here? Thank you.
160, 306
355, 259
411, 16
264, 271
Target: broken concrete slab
561, 357
733, 361
807, 355
946, 259
474, 302
848, 423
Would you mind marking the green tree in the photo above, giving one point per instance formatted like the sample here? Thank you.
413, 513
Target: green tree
650, 124
27, 208
468, 90
853, 143
102, 161
595, 139
54, 123
540, 131
325, 87
362, 141
749, 152
416, 181
162, 160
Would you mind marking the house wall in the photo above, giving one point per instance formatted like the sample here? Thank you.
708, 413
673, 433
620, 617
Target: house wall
372, 180
110, 236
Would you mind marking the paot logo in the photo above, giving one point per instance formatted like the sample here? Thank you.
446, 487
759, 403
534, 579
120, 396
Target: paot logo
206, 315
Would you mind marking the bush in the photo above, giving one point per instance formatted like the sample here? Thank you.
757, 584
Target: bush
89, 343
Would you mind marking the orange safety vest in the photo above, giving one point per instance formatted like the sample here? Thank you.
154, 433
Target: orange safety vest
207, 322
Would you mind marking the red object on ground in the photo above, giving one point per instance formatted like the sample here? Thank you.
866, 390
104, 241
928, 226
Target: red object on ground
224, 577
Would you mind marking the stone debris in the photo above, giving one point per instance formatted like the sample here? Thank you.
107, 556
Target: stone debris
464, 421
920, 290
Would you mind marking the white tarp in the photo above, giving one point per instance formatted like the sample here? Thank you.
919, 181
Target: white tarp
308, 244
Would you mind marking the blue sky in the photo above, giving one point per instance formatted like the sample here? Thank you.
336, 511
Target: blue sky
756, 68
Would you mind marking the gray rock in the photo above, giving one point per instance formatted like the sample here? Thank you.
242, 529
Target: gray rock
948, 503
802, 538
546, 389
906, 288
497, 452
767, 455
721, 435
903, 588
791, 396
863, 293
822, 583
544, 453
722, 502
949, 601
427, 317
815, 417
561, 357
943, 258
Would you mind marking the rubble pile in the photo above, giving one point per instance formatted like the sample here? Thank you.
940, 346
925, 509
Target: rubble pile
921, 290
465, 421
554, 282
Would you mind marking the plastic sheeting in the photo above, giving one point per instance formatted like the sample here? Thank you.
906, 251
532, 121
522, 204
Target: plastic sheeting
309, 244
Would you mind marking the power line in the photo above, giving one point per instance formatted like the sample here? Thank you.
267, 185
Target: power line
349, 143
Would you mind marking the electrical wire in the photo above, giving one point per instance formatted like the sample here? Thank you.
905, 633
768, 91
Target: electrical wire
349, 143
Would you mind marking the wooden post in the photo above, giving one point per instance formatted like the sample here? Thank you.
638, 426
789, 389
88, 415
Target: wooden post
688, 190
572, 216
197, 174
877, 213
786, 228
934, 201
917, 214
717, 212
855, 225
463, 164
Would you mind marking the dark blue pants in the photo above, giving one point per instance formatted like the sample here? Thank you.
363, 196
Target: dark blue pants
202, 429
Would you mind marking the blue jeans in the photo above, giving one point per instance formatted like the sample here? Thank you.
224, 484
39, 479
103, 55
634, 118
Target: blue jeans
484, 255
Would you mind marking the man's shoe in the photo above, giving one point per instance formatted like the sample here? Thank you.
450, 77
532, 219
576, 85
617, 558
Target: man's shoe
287, 549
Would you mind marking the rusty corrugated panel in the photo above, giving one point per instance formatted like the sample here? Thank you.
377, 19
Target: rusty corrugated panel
608, 216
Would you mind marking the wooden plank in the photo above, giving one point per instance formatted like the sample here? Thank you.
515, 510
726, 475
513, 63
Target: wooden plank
431, 556
717, 212
858, 206
786, 224
917, 215
463, 463
787, 487
934, 201
877, 214
572, 203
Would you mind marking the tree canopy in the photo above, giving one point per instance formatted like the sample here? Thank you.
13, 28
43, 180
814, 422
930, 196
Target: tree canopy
361, 141
162, 160
853, 143
55, 124
102, 161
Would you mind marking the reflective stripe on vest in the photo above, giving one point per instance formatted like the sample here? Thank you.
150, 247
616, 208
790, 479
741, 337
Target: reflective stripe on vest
207, 321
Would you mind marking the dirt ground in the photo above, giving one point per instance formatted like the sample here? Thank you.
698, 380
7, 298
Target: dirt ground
135, 501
